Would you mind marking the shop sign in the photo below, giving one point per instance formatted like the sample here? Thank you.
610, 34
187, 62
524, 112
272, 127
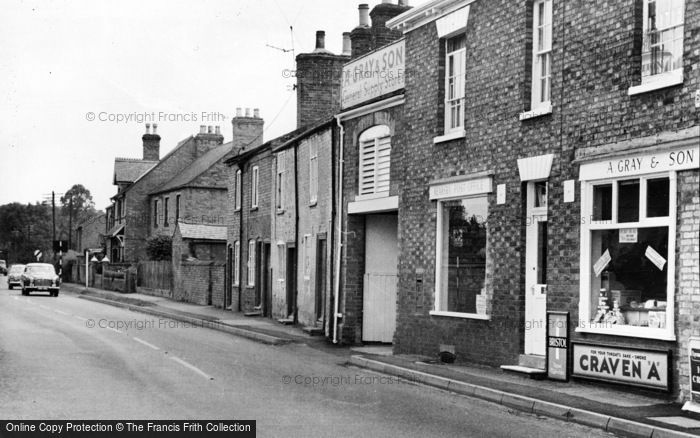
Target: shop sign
673, 160
694, 361
558, 345
375, 74
622, 365
628, 235
461, 188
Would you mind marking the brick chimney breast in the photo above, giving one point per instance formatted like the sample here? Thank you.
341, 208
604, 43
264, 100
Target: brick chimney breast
247, 131
151, 144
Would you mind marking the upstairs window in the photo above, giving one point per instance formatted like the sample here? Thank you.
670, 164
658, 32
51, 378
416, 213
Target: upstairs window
237, 198
375, 160
662, 44
155, 214
541, 54
165, 212
177, 208
313, 173
254, 188
455, 67
281, 171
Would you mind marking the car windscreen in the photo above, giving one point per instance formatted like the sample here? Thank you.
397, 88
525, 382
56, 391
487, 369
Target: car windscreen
41, 270
17, 269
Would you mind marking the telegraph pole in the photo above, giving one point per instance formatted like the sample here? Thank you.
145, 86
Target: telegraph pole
53, 213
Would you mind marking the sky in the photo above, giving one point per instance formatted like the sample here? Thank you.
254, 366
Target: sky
78, 79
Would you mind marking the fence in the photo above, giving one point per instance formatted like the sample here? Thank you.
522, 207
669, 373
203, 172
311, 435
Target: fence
155, 278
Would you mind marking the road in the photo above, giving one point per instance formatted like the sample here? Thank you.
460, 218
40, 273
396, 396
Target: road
69, 358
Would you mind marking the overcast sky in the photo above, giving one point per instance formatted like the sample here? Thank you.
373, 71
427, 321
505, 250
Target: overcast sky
60, 60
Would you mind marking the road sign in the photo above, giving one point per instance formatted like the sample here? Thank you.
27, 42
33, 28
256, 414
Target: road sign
38, 254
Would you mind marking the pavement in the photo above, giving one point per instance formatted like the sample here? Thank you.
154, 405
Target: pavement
607, 407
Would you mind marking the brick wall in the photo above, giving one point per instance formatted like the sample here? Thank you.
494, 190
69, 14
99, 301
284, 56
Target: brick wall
202, 282
283, 231
595, 60
318, 86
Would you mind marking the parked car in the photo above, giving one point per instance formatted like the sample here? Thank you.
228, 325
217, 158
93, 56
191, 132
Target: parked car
40, 277
14, 276
3, 267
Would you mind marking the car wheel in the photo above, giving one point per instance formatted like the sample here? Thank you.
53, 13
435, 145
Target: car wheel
9, 286
24, 292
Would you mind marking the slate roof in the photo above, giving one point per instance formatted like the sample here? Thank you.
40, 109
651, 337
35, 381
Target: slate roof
202, 232
198, 167
128, 170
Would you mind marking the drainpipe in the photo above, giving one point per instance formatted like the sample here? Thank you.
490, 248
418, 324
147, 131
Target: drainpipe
240, 243
331, 240
338, 230
296, 233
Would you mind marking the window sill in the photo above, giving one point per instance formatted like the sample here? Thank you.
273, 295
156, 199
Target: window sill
280, 211
237, 209
631, 331
253, 208
313, 204
460, 133
542, 110
250, 286
663, 80
460, 315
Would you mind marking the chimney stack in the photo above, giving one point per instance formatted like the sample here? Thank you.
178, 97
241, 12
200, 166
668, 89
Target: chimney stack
247, 131
347, 47
202, 129
364, 15
151, 144
403, 2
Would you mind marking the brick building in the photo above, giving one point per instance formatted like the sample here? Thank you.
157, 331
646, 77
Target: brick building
89, 232
370, 118
549, 162
153, 193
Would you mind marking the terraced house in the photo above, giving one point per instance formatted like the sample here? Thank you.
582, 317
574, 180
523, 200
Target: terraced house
550, 156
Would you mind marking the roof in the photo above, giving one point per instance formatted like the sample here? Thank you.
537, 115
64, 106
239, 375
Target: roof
197, 168
202, 232
299, 134
233, 158
128, 170
115, 229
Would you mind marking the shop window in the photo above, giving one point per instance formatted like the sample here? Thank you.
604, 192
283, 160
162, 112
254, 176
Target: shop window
375, 160
462, 255
627, 280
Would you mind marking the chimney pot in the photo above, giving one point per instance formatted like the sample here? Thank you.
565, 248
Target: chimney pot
155, 128
364, 15
247, 112
202, 129
403, 2
320, 39
210, 129
256, 113
387, 1
239, 112
217, 130
347, 44
148, 128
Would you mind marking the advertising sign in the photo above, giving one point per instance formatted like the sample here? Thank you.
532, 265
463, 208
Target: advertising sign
375, 74
558, 345
622, 365
694, 358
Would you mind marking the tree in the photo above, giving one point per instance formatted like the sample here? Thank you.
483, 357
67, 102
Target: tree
77, 203
159, 248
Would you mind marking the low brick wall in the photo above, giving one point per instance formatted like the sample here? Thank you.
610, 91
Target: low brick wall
201, 282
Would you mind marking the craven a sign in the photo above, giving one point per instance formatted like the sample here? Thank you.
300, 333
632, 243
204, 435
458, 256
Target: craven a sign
630, 165
622, 365
455, 189
374, 74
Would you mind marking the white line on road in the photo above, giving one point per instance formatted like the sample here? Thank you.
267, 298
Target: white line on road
192, 367
60, 311
79, 317
113, 329
147, 344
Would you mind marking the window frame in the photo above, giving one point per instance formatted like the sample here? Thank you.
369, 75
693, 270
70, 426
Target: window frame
280, 181
238, 192
236, 263
588, 226
155, 213
365, 138
166, 201
437, 307
251, 262
536, 103
313, 173
447, 128
177, 208
255, 177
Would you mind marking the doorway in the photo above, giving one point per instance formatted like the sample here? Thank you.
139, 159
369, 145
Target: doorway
291, 280
536, 268
321, 279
